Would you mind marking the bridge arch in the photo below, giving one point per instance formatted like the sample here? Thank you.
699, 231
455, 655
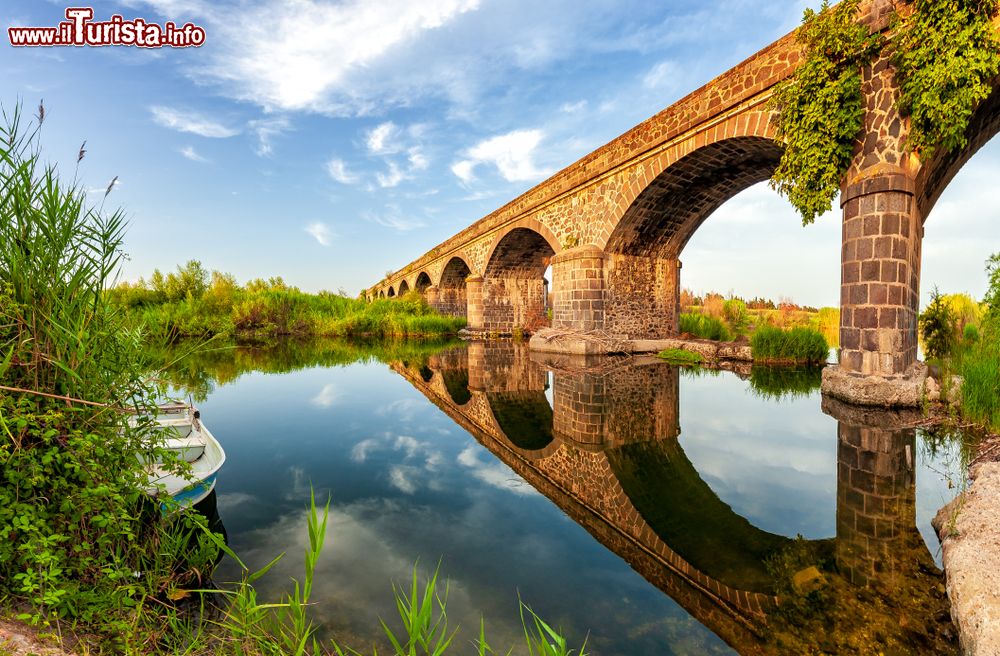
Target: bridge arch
514, 290
403, 287
423, 282
936, 174
392, 292
644, 240
452, 287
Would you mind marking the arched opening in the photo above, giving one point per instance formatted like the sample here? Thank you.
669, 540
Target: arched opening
423, 282
451, 288
958, 199
381, 293
514, 288
392, 292
642, 265
403, 287
524, 417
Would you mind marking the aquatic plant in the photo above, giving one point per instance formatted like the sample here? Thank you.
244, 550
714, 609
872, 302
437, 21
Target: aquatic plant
681, 357
799, 344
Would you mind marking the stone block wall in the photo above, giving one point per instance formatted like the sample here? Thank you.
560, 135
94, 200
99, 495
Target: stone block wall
511, 303
880, 277
642, 297
578, 289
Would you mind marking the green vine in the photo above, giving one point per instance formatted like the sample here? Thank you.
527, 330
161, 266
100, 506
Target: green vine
821, 108
946, 54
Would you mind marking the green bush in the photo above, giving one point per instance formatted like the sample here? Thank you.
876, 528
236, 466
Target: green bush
703, 326
771, 344
937, 327
735, 313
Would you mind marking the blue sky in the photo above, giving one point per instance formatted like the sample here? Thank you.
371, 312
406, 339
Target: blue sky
329, 142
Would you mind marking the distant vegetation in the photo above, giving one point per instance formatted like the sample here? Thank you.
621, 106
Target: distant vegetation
963, 336
779, 332
193, 303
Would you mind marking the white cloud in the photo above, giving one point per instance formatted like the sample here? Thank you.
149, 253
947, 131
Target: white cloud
266, 130
192, 122
338, 171
383, 139
572, 108
393, 219
190, 153
512, 154
663, 74
391, 178
464, 170
321, 233
418, 161
305, 51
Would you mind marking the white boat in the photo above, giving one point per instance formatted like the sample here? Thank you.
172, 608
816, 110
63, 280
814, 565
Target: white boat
186, 435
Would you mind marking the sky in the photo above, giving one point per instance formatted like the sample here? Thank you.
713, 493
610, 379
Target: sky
331, 142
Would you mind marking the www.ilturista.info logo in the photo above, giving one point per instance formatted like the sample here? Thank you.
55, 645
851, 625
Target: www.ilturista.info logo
79, 29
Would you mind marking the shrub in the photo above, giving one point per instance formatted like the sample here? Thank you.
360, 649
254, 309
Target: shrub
704, 326
771, 344
735, 313
937, 327
981, 383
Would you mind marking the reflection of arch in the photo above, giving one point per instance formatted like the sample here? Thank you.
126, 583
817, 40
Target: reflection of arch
936, 174
688, 515
666, 213
392, 292
423, 282
403, 287
426, 373
525, 418
456, 381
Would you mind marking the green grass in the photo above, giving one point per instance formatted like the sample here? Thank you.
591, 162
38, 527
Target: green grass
704, 326
681, 357
981, 383
261, 310
801, 345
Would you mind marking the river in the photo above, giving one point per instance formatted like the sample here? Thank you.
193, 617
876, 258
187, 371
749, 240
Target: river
644, 508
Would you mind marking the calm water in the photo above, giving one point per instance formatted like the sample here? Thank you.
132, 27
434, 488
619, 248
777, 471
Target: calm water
654, 508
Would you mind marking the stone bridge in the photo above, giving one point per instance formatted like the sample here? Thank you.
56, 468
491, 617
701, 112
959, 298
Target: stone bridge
605, 450
613, 225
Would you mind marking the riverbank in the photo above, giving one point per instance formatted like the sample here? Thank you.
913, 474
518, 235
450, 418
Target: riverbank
193, 303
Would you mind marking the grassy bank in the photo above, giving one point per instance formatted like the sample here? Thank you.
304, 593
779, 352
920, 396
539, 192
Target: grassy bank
193, 303
962, 336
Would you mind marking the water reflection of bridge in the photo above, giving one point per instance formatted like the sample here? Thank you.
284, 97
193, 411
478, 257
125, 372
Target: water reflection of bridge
606, 451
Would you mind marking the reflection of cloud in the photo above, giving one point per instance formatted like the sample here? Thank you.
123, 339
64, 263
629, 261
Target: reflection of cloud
361, 450
362, 557
401, 477
232, 500
327, 396
495, 474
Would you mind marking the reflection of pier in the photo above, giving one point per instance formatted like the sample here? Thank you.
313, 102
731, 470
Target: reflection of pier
606, 451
